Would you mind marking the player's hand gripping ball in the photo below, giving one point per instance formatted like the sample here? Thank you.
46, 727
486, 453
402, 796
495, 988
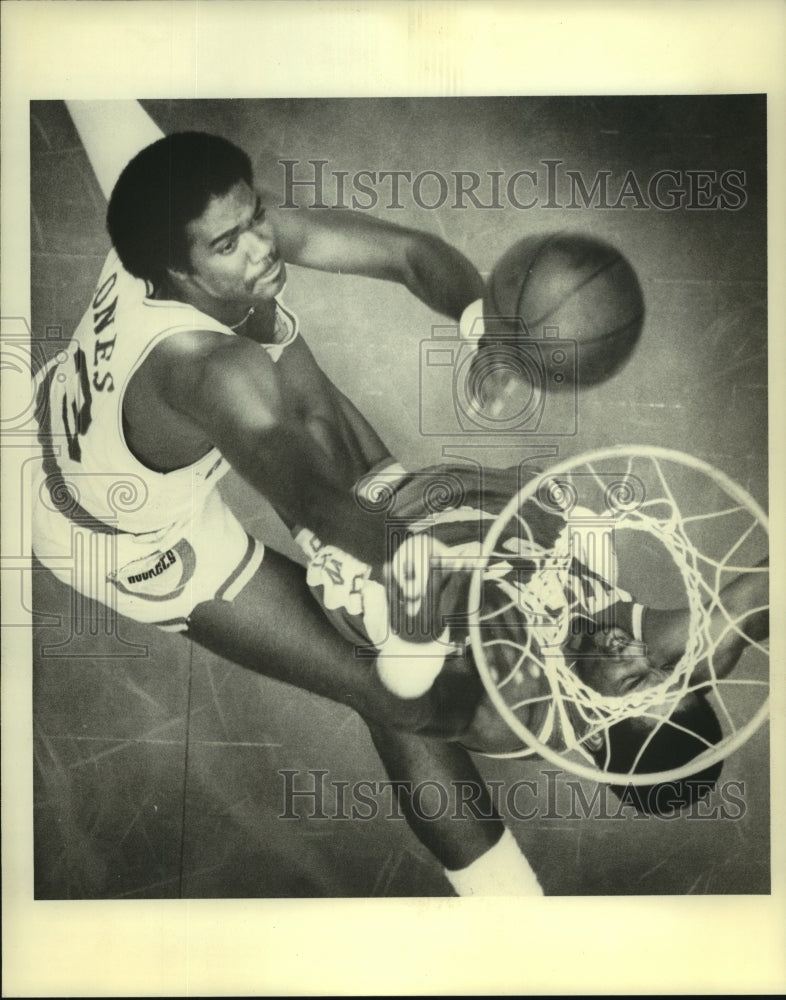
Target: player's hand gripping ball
563, 310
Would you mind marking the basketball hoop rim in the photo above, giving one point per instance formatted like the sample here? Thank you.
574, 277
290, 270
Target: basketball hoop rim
529, 490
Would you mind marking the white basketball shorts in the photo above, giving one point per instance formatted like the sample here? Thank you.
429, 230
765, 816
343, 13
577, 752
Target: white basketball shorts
157, 577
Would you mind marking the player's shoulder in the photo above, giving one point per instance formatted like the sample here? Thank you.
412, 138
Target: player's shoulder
200, 345
188, 358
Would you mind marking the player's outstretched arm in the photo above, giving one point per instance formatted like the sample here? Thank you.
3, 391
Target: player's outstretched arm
353, 243
230, 389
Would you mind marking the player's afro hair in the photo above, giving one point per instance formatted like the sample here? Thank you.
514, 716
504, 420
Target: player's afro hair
163, 188
670, 747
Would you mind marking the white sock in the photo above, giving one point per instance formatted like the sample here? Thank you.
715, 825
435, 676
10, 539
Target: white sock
501, 871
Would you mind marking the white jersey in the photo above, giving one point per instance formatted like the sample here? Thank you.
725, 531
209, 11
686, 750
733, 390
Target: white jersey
92, 475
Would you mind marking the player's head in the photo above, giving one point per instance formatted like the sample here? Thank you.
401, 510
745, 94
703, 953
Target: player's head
664, 739
164, 188
612, 662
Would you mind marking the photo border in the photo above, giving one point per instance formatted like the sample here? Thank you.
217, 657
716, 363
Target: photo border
432, 946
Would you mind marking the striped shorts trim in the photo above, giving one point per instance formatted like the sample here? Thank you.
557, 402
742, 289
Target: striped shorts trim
157, 579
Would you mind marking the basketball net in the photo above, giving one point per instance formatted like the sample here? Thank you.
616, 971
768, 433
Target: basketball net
635, 492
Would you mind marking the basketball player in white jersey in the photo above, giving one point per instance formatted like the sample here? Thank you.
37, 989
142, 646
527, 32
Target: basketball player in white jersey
187, 362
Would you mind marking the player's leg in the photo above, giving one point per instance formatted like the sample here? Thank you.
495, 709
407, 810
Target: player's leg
274, 626
448, 807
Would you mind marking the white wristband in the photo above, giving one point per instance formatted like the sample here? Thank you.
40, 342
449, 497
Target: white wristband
636, 622
371, 487
471, 326
501, 871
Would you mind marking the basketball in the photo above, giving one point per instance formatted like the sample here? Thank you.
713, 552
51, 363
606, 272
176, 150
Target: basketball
573, 298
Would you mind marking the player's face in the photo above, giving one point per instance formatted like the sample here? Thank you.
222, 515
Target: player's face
618, 665
233, 251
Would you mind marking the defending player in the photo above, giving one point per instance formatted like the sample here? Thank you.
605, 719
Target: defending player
414, 611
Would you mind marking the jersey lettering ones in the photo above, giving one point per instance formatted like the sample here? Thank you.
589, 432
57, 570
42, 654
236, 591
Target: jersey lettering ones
76, 410
104, 309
